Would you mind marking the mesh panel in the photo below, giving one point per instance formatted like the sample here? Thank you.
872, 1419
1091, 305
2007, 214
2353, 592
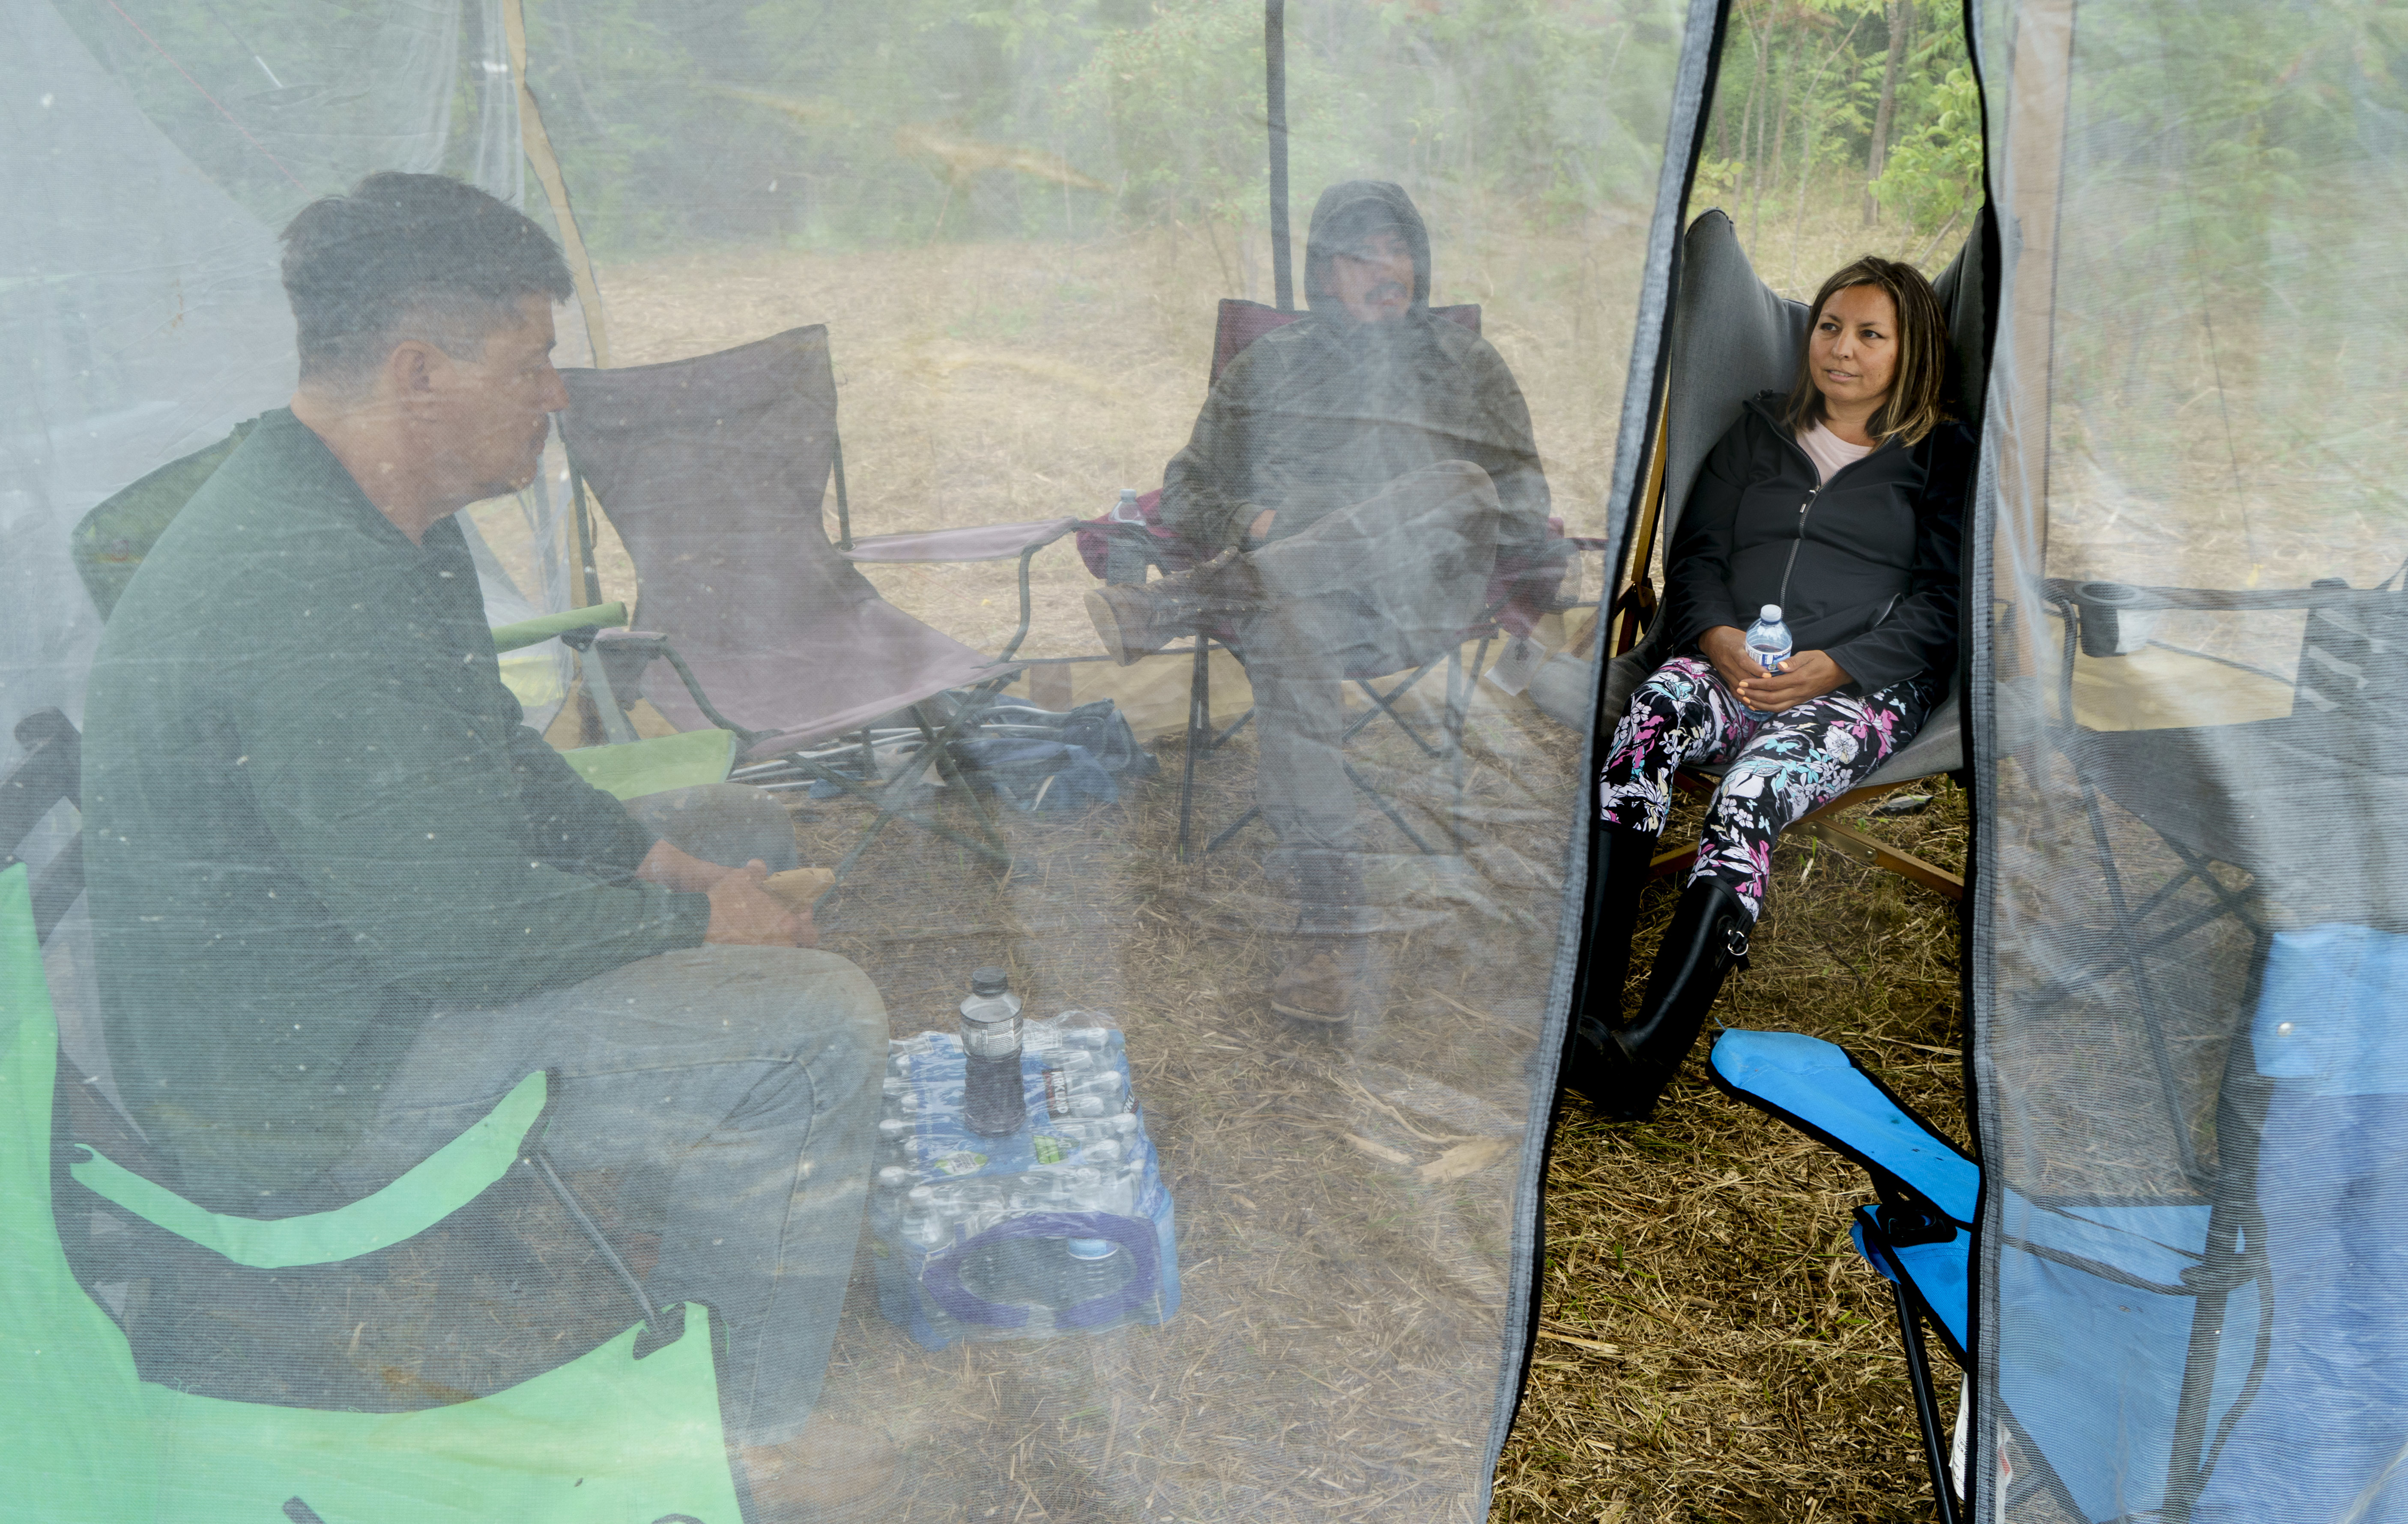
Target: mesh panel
2190, 796
892, 326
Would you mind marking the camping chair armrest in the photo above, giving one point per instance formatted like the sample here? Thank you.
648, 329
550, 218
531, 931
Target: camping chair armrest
527, 632
426, 1193
2092, 609
1820, 1089
2069, 592
985, 543
1027, 553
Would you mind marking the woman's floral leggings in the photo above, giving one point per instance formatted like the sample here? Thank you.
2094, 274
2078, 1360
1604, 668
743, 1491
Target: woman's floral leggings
1782, 766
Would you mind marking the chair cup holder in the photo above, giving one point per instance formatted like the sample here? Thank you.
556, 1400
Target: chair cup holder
2112, 618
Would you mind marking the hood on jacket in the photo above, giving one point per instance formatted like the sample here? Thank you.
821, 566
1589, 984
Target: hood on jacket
1349, 212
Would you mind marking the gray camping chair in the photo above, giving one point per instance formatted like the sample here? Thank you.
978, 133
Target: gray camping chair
713, 470
1732, 338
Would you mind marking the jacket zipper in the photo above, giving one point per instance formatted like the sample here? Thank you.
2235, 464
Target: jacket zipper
1800, 450
1802, 509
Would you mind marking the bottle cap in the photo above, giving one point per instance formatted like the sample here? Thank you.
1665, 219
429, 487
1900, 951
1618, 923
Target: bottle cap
990, 982
1769, 613
1091, 1248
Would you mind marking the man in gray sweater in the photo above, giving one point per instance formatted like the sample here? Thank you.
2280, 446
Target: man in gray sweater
343, 898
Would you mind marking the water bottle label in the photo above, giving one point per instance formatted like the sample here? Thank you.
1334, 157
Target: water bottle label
1057, 1093
1051, 1150
963, 1162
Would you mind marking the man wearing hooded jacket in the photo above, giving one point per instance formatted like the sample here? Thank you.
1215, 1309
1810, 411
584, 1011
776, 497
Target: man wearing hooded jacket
1359, 470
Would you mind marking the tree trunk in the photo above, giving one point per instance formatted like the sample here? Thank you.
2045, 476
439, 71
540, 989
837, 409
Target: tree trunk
1902, 17
1750, 150
1780, 141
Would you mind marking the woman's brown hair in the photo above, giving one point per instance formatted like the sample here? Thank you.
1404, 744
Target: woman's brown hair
1917, 400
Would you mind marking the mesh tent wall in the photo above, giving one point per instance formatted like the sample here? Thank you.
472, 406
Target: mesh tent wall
2191, 806
1016, 226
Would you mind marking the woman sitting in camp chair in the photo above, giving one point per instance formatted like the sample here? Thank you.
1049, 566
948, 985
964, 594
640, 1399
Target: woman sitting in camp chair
1843, 503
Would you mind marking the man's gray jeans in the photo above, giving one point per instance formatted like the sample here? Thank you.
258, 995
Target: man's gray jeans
733, 1090
1378, 587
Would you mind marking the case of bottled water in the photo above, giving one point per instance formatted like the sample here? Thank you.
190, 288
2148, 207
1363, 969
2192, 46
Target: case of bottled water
1060, 1227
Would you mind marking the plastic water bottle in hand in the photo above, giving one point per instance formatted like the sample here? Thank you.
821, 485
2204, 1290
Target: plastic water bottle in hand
1768, 642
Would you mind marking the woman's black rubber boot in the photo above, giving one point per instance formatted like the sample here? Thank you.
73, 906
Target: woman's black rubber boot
1618, 856
1708, 935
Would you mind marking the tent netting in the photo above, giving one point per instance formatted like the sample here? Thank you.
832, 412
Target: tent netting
1230, 1268
1278, 1272
2185, 957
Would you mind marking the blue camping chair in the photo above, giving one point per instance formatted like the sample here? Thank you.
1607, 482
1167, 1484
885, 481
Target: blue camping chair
2288, 1403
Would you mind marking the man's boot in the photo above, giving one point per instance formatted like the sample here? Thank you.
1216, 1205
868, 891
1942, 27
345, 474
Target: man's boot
1708, 935
1139, 619
1321, 964
1618, 860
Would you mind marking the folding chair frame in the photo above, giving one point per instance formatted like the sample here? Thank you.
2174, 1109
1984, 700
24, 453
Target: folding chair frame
892, 797
1202, 741
2232, 1255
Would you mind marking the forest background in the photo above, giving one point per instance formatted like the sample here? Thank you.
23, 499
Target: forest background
830, 126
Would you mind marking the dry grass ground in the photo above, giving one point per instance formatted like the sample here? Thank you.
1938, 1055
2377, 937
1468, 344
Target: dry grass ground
1712, 1347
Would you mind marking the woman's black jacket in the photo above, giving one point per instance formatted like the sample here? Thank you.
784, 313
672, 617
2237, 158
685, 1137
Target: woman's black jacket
1865, 567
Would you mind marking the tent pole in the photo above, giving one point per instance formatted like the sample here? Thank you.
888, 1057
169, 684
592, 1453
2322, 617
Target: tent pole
2030, 166
538, 144
1275, 99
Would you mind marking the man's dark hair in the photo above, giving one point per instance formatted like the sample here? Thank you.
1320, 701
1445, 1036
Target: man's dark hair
410, 256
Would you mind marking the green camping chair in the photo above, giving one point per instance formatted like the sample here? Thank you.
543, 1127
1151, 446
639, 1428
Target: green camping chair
110, 542
608, 1437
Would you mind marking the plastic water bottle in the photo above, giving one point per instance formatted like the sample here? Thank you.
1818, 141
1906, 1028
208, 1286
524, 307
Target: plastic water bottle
1091, 1268
1768, 642
993, 1102
1125, 552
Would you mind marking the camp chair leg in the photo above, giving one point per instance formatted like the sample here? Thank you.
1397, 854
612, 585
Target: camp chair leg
1236, 826
1231, 734
2193, 1458
1200, 739
2095, 968
1388, 810
1384, 704
950, 772
1927, 1406
2152, 1017
1460, 686
882, 797
1199, 725
1664, 864
540, 1162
